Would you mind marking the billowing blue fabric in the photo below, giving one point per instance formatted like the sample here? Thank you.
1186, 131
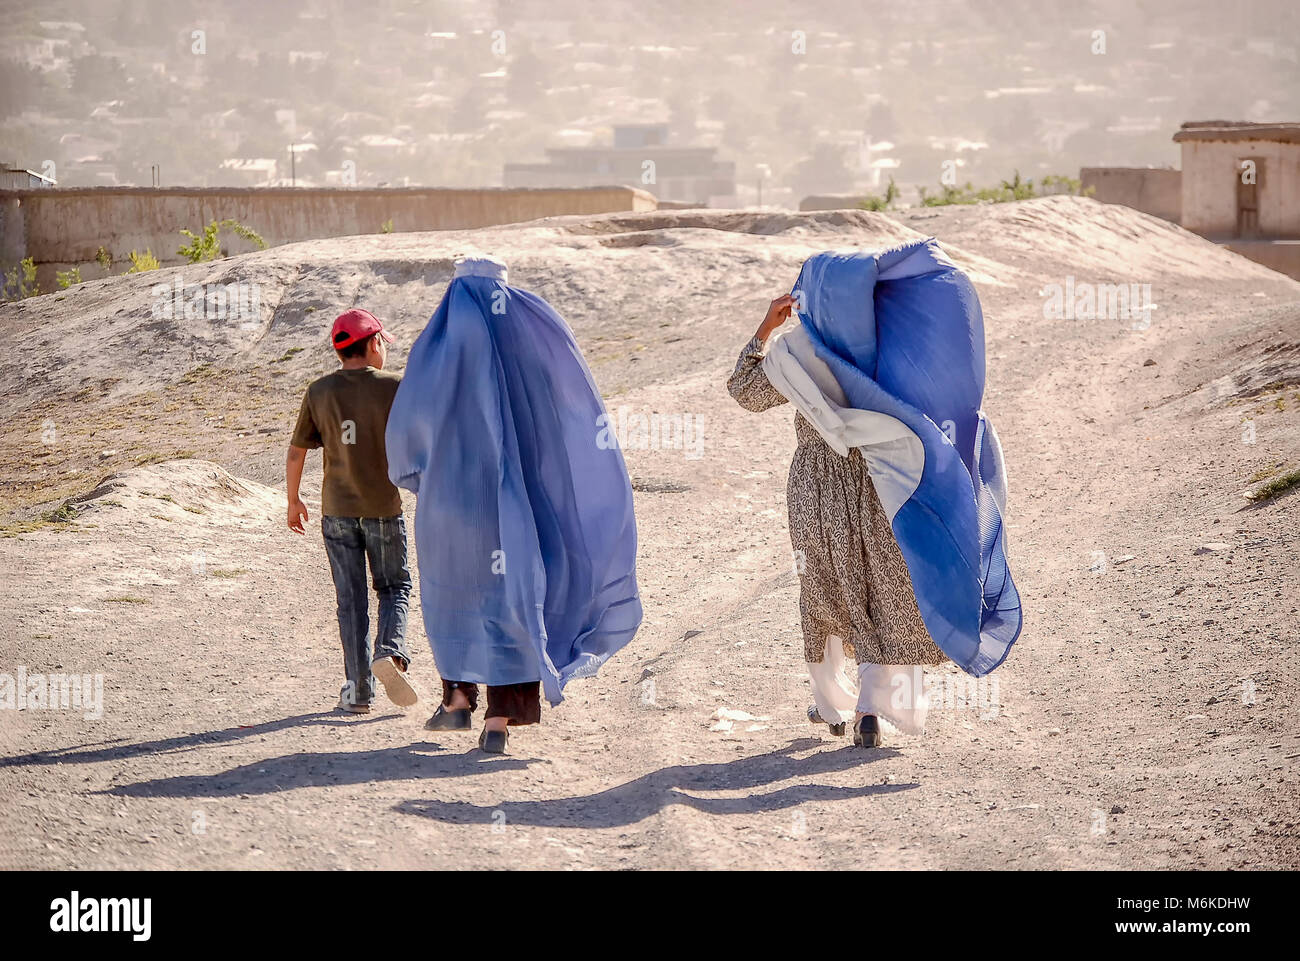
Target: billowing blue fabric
903, 334
524, 527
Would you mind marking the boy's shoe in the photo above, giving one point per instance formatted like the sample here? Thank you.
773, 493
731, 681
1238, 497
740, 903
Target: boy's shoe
348, 701
446, 719
493, 742
396, 685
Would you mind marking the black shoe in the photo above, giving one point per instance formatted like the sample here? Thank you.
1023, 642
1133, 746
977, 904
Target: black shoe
448, 720
866, 732
493, 742
816, 718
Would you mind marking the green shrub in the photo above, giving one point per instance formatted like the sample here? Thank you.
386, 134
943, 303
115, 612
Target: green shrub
142, 262
873, 202
208, 247
1005, 192
19, 281
1062, 184
1277, 486
201, 248
67, 278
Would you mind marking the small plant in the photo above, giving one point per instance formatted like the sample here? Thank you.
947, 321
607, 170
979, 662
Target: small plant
1005, 192
21, 527
67, 278
20, 281
60, 515
143, 262
387, 226
248, 233
1277, 486
1017, 188
143, 459
873, 202
208, 247
201, 248
104, 259
1264, 473
1062, 184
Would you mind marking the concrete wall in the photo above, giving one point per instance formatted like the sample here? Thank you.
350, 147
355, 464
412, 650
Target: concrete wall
832, 202
1210, 175
1152, 190
62, 227
1280, 255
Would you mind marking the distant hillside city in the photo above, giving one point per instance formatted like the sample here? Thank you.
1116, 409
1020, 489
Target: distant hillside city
724, 104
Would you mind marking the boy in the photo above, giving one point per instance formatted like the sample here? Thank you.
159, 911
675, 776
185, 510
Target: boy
346, 413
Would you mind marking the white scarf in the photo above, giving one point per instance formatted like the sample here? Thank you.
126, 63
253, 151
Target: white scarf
894, 455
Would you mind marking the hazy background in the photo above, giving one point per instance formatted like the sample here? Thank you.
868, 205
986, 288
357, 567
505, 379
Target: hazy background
426, 93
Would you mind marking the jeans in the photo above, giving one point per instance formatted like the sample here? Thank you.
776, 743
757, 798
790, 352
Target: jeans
349, 541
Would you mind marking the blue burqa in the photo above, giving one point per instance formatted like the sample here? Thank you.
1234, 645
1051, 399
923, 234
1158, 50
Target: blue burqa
902, 332
524, 527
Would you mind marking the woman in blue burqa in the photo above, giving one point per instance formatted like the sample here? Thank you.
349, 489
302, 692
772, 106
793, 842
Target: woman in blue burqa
896, 491
524, 530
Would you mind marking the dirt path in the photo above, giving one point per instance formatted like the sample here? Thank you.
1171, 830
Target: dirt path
1145, 718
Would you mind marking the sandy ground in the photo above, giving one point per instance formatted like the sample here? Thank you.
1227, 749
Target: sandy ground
1145, 718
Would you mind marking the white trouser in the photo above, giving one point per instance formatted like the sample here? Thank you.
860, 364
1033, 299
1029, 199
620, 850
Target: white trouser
895, 693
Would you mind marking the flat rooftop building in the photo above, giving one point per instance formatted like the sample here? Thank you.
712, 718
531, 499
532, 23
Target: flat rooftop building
14, 177
640, 156
1241, 179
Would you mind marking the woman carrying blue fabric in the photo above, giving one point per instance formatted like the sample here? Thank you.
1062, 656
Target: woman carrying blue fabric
524, 528
855, 595
897, 488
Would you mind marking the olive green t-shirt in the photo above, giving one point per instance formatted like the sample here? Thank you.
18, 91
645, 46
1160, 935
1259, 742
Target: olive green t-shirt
346, 413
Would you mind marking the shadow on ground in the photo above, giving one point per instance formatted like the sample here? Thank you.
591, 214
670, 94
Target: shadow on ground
115, 750
623, 804
638, 799
325, 769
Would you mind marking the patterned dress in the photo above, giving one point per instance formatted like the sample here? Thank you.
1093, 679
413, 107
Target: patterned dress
855, 584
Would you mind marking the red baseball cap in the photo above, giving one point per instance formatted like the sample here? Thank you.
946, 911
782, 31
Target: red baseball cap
354, 325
